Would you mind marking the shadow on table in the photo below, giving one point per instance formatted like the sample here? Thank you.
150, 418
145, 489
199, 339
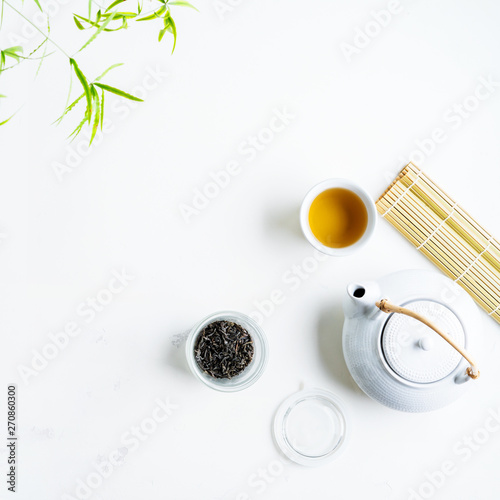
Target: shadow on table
329, 331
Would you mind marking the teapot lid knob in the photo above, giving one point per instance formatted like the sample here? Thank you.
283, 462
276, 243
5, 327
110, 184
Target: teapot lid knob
426, 343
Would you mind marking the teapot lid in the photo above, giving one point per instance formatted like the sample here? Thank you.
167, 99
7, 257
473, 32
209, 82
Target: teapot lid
415, 352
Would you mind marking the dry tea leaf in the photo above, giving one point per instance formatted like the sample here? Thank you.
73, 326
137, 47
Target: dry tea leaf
223, 349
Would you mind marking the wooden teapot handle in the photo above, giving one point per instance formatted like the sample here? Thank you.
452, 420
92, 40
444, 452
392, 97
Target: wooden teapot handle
386, 306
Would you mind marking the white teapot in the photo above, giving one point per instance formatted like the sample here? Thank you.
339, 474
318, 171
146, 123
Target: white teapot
414, 358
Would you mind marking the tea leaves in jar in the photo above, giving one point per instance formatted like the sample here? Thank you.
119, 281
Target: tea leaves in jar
223, 349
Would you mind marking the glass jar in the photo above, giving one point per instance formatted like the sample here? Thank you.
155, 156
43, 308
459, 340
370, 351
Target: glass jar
255, 368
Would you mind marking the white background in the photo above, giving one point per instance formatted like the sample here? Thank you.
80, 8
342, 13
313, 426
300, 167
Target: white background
118, 208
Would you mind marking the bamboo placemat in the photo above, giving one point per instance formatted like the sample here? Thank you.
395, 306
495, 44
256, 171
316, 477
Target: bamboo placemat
446, 234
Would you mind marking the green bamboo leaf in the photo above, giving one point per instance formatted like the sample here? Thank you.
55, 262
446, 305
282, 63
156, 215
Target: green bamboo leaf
38, 5
35, 50
96, 25
119, 92
78, 128
5, 121
44, 49
99, 30
79, 98
114, 4
15, 49
183, 4
67, 98
90, 9
149, 18
102, 107
113, 66
162, 32
41, 60
123, 25
170, 26
44, 54
128, 15
97, 112
1, 95
154, 15
13, 53
69, 108
86, 20
98, 17
84, 83
79, 25
33, 58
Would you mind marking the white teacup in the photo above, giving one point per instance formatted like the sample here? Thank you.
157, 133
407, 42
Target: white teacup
350, 186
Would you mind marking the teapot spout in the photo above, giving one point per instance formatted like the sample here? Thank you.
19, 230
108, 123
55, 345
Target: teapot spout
360, 299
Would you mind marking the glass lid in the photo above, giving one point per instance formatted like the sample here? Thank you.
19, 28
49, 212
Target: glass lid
417, 353
310, 427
